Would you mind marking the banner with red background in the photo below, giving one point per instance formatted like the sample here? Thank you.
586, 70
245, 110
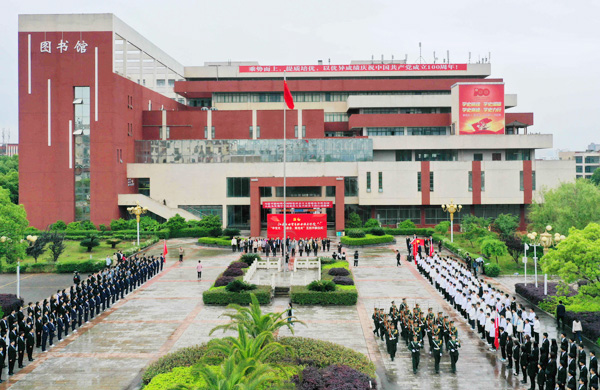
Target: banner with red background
481, 109
298, 226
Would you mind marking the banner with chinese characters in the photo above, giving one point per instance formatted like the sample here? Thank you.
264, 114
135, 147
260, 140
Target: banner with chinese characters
298, 226
481, 109
326, 204
352, 68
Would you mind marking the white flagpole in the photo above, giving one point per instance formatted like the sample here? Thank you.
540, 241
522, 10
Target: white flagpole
284, 176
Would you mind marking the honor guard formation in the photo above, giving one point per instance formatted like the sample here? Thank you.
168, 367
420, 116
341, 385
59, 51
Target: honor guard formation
37, 326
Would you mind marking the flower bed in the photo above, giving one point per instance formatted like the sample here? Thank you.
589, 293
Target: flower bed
369, 239
303, 296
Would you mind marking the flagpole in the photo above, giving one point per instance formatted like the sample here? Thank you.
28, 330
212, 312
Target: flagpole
284, 176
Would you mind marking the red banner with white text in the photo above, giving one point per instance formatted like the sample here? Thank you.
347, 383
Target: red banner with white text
352, 68
298, 226
481, 109
302, 204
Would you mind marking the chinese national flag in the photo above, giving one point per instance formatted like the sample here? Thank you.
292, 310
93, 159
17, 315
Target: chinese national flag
497, 328
165, 250
287, 96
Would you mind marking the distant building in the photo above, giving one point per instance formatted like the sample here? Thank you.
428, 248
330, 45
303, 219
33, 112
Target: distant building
9, 149
585, 162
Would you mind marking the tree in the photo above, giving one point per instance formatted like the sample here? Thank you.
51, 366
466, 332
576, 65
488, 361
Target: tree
595, 178
9, 176
353, 221
506, 225
58, 225
573, 204
37, 248
577, 256
247, 348
233, 375
118, 224
514, 245
493, 247
74, 226
56, 244
442, 227
175, 223
90, 242
87, 225
113, 242
372, 222
13, 222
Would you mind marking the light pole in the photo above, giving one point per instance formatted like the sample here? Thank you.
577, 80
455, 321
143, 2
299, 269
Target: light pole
137, 211
451, 208
546, 240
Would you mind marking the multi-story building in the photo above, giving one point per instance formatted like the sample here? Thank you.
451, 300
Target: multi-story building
107, 119
9, 149
585, 162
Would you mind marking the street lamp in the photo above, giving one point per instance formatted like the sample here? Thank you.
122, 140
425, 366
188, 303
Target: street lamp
137, 211
451, 208
546, 240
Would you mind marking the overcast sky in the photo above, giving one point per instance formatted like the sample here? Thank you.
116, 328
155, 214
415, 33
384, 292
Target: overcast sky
548, 51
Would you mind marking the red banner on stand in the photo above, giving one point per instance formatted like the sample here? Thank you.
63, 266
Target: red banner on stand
316, 204
298, 226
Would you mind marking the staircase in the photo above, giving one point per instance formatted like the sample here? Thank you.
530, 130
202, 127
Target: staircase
155, 206
282, 291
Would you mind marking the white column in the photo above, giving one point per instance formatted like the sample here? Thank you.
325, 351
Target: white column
254, 124
96, 84
224, 221
209, 124
299, 123
125, 58
70, 144
29, 63
49, 113
163, 129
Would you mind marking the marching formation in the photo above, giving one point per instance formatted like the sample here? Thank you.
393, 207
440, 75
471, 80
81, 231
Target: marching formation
41, 323
415, 327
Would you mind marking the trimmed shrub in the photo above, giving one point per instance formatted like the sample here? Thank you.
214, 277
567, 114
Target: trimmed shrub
371, 223
303, 296
406, 224
233, 272
113, 242
356, 233
238, 264
408, 232
368, 240
343, 280
321, 285
239, 286
327, 260
215, 241
88, 266
333, 377
220, 296
231, 232
321, 354
224, 281
354, 221
249, 258
10, 302
377, 231
193, 232
338, 272
58, 225
492, 270
442, 227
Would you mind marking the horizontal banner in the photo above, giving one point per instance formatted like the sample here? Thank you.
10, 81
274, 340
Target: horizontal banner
352, 68
298, 226
327, 204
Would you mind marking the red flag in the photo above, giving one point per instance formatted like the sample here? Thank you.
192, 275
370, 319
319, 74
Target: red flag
165, 250
497, 327
287, 96
431, 247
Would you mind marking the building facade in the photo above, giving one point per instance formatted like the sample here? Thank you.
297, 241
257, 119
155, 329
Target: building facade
107, 119
586, 162
9, 149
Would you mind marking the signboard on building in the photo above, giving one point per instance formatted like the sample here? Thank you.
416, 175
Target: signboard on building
352, 68
481, 108
298, 226
327, 204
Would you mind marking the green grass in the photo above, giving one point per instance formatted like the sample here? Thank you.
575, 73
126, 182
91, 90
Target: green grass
75, 252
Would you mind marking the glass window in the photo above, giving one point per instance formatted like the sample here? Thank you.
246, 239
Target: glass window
298, 192
496, 156
518, 154
590, 168
202, 211
579, 169
257, 131
330, 191
351, 186
592, 159
212, 131
435, 155
336, 117
435, 215
160, 82
144, 186
426, 131
171, 82
251, 132
478, 157
403, 155
379, 111
368, 181
266, 192
238, 187
521, 181
578, 159
303, 131
380, 181
533, 180
379, 131
431, 181
238, 216
392, 215
471, 181
482, 181
82, 153
419, 181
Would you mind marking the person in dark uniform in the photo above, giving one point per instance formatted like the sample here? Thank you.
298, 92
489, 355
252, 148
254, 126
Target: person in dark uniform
532, 367
38, 332
375, 318
2, 358
45, 332
561, 376
593, 362
398, 263
356, 258
21, 348
551, 372
541, 377
583, 373
593, 379
524, 363
517, 356
12, 357
415, 349
571, 383
453, 346
393, 341
51, 330
509, 352
30, 344
437, 353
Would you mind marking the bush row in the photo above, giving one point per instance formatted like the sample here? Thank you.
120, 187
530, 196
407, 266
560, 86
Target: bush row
220, 241
220, 296
303, 296
395, 231
132, 233
369, 239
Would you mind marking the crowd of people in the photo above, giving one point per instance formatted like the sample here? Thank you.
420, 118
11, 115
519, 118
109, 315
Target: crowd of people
506, 325
42, 324
275, 246
416, 327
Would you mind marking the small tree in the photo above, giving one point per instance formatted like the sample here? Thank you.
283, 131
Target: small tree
493, 247
113, 242
514, 245
506, 225
372, 222
118, 224
37, 248
595, 178
175, 223
87, 225
90, 242
353, 221
58, 225
442, 227
74, 226
56, 244
408, 224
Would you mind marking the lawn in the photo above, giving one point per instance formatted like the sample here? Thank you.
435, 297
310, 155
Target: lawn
75, 252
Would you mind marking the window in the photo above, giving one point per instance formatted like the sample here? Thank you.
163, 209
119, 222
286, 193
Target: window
496, 156
590, 168
336, 117
202, 211
212, 131
521, 181
391, 215
403, 155
238, 187
382, 131
171, 83
482, 181
419, 181
533, 180
471, 181
518, 154
579, 169
380, 181
298, 192
130, 129
426, 131
579, 176
578, 159
592, 159
303, 131
368, 181
431, 181
266, 192
435, 155
330, 191
144, 186
478, 157
257, 132
351, 186
251, 132
160, 82
238, 216
379, 111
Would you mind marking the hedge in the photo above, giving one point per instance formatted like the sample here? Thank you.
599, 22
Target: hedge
220, 241
195, 232
368, 240
81, 266
303, 296
399, 231
491, 269
220, 296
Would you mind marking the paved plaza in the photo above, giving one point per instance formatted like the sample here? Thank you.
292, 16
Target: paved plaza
167, 313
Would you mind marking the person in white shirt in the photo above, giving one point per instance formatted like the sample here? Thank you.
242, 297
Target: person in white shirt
527, 328
536, 329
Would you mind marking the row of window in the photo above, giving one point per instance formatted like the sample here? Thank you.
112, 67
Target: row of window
588, 168
269, 97
588, 159
406, 110
385, 131
239, 187
336, 117
161, 82
380, 180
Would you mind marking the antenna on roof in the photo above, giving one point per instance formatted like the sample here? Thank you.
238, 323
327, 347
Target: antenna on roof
420, 59
329, 61
372, 59
382, 58
392, 58
434, 58
469, 57
406, 58
448, 55
489, 56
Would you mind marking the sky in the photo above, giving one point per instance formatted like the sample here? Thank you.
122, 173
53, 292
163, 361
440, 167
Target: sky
546, 51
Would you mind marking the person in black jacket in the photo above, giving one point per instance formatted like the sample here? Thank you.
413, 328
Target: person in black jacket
561, 311
524, 363
12, 357
30, 344
517, 356
503, 341
551, 372
561, 376
541, 377
593, 362
509, 352
532, 371
583, 373
593, 379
